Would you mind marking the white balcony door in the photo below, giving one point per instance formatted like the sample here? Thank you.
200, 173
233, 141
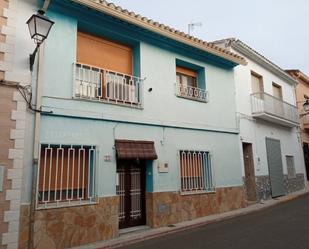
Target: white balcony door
256, 83
278, 104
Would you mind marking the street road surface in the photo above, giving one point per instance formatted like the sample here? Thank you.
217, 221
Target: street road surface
285, 226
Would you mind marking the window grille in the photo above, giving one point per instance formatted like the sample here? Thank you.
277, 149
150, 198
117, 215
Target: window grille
66, 175
196, 171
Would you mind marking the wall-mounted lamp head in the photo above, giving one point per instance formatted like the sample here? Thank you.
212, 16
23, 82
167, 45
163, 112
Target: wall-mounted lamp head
39, 27
306, 106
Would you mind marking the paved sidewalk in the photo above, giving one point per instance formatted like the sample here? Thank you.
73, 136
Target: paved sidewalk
146, 234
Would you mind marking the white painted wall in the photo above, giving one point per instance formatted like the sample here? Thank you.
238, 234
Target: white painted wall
23, 46
255, 131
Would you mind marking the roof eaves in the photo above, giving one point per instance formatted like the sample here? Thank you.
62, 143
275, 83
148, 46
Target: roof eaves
297, 74
262, 60
136, 19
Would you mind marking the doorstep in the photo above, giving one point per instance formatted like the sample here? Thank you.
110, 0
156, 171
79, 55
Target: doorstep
144, 233
132, 230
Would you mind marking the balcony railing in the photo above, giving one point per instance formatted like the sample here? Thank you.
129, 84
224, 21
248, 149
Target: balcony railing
263, 103
104, 85
190, 92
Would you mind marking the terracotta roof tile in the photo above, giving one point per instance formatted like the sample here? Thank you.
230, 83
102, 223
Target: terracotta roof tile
180, 36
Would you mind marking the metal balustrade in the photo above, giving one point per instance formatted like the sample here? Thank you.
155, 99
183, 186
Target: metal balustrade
66, 176
265, 103
191, 92
196, 171
104, 85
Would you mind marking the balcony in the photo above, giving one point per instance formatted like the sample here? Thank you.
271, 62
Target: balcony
102, 85
269, 108
190, 92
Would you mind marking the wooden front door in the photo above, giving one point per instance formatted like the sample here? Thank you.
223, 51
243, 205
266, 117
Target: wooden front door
249, 171
131, 190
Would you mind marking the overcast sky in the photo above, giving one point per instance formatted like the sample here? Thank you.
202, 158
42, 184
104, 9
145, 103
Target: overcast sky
278, 29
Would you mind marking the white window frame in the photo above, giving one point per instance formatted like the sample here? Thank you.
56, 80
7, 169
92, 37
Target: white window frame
59, 202
207, 189
290, 176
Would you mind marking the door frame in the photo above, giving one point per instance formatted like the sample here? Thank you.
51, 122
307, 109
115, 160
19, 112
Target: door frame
249, 173
127, 164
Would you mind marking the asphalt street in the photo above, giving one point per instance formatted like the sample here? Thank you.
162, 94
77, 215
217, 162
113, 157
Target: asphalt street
285, 226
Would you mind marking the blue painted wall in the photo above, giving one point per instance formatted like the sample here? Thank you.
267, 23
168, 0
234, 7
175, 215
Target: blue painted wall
173, 123
158, 66
223, 147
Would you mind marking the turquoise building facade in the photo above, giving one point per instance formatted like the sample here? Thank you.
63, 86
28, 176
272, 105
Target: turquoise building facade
174, 123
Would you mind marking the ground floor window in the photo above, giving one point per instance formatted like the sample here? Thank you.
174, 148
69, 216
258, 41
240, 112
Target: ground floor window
290, 166
66, 175
196, 171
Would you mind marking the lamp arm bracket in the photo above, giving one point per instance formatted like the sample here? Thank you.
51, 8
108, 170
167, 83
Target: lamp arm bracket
32, 57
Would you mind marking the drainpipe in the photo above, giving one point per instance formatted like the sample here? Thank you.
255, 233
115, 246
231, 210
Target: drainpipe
299, 135
37, 129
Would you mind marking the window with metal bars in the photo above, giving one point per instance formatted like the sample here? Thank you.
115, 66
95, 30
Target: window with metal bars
195, 171
66, 175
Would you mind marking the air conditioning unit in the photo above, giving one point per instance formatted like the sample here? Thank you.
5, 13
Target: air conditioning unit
121, 92
85, 89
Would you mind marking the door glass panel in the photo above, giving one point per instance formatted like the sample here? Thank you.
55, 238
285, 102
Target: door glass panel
120, 190
130, 188
135, 193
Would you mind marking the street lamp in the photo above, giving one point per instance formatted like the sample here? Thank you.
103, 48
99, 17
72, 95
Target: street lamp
39, 27
306, 106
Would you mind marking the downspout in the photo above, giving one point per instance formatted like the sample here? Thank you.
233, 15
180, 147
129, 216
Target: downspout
299, 132
37, 130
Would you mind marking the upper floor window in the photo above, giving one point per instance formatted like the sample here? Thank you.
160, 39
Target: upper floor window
190, 82
99, 52
104, 71
277, 91
256, 83
186, 77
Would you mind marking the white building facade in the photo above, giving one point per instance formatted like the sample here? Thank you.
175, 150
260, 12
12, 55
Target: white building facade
268, 120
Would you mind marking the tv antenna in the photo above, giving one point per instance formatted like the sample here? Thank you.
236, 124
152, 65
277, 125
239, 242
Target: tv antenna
192, 25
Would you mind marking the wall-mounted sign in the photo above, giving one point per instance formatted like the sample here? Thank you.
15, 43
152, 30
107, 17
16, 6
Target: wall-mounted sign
107, 158
163, 167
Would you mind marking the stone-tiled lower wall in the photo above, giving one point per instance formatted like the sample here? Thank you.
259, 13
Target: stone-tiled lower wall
294, 184
165, 208
263, 188
71, 226
263, 185
6, 125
